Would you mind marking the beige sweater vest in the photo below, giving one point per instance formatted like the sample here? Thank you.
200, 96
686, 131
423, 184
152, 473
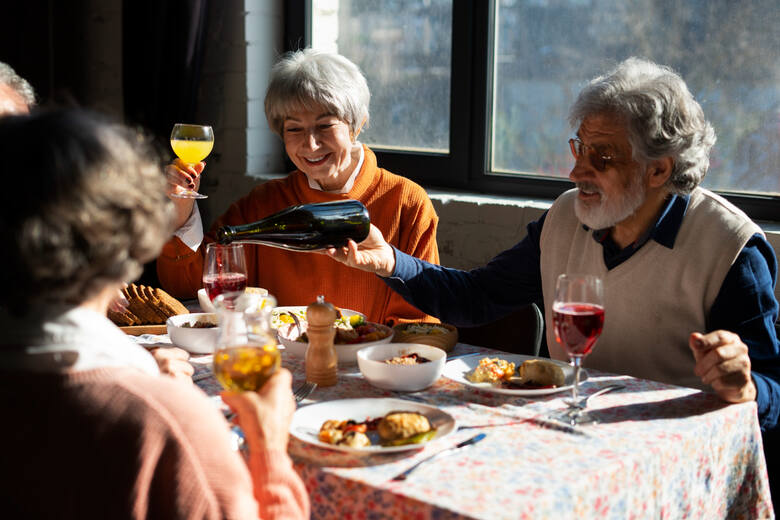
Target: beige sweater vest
656, 298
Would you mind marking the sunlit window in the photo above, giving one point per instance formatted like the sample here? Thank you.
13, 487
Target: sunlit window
726, 51
403, 47
496, 108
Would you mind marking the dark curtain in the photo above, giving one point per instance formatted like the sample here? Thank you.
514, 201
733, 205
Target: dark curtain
162, 53
162, 47
42, 40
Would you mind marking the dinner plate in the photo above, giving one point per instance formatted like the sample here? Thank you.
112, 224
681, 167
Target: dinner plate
458, 368
300, 312
307, 421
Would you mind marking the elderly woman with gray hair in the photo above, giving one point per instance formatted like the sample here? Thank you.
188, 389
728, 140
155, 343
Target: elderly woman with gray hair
91, 430
318, 103
689, 278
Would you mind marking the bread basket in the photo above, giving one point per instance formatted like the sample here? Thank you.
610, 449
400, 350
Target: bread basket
441, 335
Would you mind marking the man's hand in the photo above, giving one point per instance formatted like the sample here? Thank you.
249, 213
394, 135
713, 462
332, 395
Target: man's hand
181, 175
373, 254
722, 362
265, 415
173, 362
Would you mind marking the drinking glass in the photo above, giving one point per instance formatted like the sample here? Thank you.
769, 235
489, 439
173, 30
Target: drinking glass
224, 272
578, 318
246, 354
192, 144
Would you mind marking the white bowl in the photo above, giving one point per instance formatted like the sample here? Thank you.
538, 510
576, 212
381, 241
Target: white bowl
346, 352
404, 378
205, 302
192, 339
207, 306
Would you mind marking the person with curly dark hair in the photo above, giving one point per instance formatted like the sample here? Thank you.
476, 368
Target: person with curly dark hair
91, 428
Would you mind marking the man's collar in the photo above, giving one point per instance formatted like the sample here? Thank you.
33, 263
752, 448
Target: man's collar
665, 229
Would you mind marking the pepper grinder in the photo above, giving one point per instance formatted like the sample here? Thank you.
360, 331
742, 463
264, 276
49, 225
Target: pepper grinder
321, 360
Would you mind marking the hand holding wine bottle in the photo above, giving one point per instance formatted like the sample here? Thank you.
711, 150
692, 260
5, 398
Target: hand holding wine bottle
373, 254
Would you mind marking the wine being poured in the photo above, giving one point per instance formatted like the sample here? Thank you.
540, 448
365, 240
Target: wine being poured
306, 227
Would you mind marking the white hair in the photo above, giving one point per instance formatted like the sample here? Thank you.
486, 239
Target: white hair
19, 85
663, 118
310, 78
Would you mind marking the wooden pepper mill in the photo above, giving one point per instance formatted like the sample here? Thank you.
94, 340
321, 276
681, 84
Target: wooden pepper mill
321, 360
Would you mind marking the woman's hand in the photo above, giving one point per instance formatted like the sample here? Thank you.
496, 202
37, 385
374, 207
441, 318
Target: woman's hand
174, 362
722, 362
373, 254
181, 175
265, 415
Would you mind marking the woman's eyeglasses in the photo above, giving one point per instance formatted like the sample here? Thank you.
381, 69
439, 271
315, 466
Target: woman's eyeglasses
598, 158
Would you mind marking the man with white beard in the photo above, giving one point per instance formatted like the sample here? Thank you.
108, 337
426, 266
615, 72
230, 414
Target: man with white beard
688, 277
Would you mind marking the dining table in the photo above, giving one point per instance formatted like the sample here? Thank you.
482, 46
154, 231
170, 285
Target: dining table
654, 450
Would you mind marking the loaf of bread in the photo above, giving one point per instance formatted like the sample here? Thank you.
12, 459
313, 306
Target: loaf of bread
146, 306
541, 372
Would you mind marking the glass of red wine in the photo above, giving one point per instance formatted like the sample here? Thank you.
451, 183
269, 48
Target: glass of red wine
578, 317
224, 272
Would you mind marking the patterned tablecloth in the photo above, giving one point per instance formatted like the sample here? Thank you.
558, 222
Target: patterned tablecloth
658, 451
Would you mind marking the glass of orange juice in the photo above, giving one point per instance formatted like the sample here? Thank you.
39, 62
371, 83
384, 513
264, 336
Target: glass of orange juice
192, 144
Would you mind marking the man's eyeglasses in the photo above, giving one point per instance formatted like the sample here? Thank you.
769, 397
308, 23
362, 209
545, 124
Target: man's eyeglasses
598, 158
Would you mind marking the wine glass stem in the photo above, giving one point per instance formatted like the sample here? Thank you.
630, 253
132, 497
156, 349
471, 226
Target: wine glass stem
577, 362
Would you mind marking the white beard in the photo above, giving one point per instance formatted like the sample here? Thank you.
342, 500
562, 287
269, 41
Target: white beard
610, 211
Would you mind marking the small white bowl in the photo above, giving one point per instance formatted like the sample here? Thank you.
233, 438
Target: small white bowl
404, 378
192, 339
207, 306
346, 352
205, 302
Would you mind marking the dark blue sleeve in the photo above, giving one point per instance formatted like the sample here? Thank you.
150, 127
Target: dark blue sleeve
746, 305
467, 298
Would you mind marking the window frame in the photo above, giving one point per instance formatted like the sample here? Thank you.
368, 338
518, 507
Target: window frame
465, 168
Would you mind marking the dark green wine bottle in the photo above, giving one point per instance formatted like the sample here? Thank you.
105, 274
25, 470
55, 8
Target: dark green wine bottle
307, 227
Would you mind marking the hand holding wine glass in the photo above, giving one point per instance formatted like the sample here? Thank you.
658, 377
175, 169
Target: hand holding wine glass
578, 317
192, 144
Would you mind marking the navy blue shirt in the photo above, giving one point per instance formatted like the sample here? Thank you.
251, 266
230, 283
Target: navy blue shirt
745, 304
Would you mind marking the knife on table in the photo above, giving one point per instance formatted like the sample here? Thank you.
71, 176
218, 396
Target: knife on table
468, 442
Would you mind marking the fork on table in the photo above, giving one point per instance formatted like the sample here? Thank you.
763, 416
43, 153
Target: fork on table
304, 391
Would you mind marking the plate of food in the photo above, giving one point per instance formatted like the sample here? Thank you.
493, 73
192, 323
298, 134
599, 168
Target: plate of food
353, 332
285, 317
513, 374
371, 425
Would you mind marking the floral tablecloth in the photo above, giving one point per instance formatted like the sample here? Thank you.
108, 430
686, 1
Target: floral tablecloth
658, 451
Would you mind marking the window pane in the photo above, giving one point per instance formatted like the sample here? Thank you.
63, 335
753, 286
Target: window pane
726, 52
403, 48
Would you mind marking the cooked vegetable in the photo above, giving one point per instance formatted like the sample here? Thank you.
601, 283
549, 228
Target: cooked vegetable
414, 439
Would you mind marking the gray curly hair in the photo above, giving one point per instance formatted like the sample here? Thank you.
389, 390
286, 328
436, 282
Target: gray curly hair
87, 211
309, 78
664, 120
20, 85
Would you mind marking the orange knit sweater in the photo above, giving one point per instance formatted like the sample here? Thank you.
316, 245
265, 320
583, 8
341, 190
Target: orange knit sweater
117, 443
398, 207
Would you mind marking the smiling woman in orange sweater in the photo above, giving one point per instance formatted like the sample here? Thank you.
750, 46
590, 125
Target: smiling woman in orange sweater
318, 103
